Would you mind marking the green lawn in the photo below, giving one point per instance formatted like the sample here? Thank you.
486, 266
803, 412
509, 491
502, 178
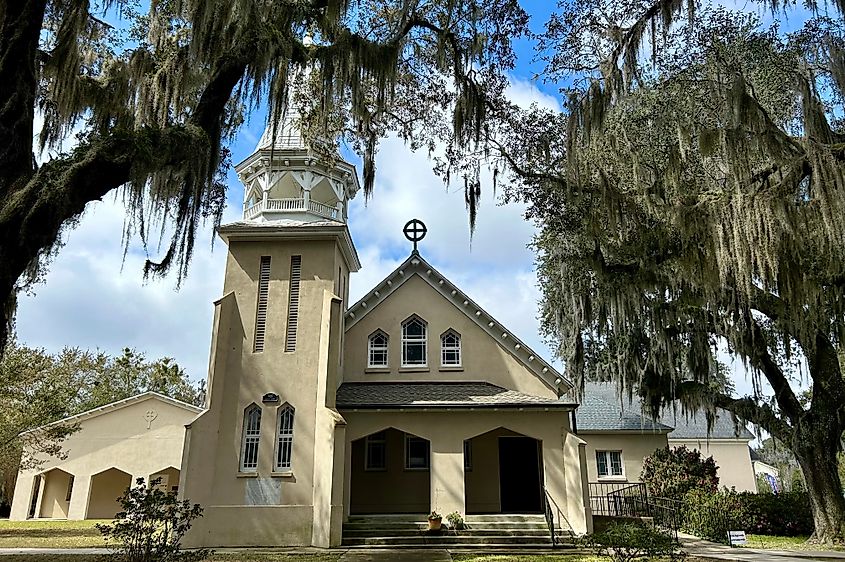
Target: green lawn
49, 534
80, 534
783, 543
318, 557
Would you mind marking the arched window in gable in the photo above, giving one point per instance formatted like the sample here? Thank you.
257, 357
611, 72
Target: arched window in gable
377, 349
450, 349
250, 439
414, 342
284, 440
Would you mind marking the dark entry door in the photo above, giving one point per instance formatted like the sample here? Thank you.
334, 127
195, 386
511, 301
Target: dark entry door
519, 475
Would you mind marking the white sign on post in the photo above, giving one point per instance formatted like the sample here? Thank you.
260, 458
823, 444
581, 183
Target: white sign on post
736, 537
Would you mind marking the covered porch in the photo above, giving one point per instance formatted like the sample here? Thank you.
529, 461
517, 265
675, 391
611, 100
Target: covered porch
513, 457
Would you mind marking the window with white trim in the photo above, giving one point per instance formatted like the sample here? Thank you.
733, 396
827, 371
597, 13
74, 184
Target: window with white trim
284, 440
417, 453
375, 451
249, 441
450, 349
414, 342
377, 350
609, 463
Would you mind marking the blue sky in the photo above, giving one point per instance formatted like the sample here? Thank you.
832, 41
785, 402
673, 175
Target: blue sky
93, 299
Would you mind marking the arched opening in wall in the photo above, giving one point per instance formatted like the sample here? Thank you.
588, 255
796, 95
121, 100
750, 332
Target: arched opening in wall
166, 479
57, 488
106, 487
391, 473
503, 473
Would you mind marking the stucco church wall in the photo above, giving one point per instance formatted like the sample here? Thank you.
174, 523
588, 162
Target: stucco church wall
239, 377
634, 446
447, 430
482, 358
732, 458
121, 439
54, 504
482, 479
394, 490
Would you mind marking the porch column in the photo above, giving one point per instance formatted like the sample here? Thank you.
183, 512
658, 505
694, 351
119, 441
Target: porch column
577, 492
22, 499
447, 474
78, 508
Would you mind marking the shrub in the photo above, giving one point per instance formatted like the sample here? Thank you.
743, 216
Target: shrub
710, 516
671, 473
785, 514
624, 542
455, 521
151, 526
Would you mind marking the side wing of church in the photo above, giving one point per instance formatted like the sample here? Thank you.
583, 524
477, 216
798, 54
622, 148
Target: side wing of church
413, 400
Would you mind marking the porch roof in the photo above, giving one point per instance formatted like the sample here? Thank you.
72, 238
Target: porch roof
442, 395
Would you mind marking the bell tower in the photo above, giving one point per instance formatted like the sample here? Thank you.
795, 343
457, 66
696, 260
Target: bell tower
284, 180
265, 460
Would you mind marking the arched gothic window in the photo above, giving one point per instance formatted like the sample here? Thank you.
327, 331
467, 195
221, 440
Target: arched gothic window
250, 439
450, 349
377, 350
414, 342
284, 440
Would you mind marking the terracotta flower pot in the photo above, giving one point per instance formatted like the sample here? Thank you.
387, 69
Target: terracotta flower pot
434, 524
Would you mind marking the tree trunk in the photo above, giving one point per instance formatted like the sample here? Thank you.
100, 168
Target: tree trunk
816, 453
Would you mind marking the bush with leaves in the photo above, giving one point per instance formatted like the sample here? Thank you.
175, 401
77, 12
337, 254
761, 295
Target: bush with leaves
151, 526
710, 516
456, 521
672, 472
624, 542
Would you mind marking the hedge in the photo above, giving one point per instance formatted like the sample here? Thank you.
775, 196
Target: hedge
710, 515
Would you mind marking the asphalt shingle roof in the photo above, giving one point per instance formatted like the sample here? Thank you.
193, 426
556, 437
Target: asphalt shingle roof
687, 426
595, 414
371, 395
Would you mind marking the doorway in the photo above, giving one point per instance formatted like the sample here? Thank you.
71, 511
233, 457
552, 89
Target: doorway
519, 475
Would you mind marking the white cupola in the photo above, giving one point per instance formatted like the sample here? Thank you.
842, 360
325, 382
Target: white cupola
284, 179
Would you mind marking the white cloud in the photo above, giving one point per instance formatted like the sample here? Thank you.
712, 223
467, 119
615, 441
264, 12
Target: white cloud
525, 92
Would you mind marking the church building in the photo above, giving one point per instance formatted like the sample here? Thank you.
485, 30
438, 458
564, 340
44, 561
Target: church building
411, 400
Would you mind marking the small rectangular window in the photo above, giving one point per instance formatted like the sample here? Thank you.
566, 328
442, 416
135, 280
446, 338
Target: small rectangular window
375, 457
261, 306
609, 463
467, 455
293, 302
416, 453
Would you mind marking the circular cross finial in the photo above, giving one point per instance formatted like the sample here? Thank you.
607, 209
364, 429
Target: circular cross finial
415, 231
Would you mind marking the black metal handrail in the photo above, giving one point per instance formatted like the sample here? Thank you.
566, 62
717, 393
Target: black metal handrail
551, 508
625, 499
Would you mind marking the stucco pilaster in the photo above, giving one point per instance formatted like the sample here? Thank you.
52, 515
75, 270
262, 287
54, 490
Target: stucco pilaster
78, 508
577, 493
24, 488
447, 473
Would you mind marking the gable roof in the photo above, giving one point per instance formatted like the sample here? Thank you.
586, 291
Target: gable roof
597, 415
422, 395
416, 265
686, 426
87, 415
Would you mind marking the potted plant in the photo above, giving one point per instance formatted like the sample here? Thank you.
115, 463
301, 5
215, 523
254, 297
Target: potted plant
456, 522
435, 520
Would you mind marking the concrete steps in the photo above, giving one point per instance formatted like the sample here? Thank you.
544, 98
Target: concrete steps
482, 531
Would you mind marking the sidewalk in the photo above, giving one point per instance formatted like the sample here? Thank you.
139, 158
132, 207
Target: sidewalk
713, 551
